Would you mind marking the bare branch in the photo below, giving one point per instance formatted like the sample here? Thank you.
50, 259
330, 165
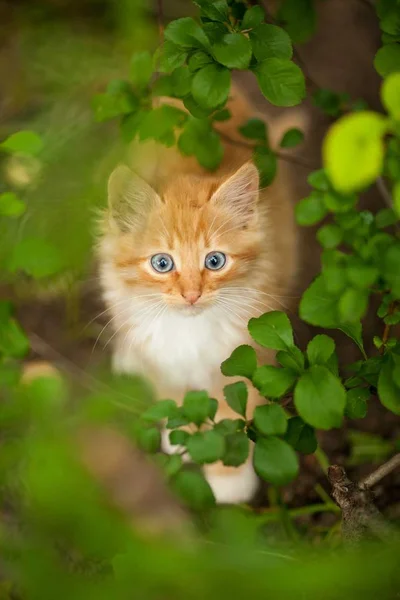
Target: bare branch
360, 517
382, 471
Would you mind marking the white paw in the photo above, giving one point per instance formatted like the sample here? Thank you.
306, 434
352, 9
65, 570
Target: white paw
169, 448
234, 487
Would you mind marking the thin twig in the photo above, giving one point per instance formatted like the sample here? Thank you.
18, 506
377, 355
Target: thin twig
384, 192
44, 350
160, 19
287, 157
382, 471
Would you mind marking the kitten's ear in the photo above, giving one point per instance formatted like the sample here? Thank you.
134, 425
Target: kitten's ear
240, 193
130, 198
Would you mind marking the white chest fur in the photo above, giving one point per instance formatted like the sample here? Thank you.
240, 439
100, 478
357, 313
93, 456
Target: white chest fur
180, 351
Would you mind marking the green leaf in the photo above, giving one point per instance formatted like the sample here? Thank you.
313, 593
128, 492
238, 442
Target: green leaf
206, 447
356, 403
194, 490
329, 102
319, 180
275, 461
292, 360
149, 439
330, 236
118, 100
387, 59
301, 436
23, 142
357, 134
196, 406
320, 349
216, 10
160, 121
271, 41
13, 341
237, 449
200, 140
354, 331
352, 305
274, 382
196, 110
292, 137
265, 160
311, 210
391, 94
198, 60
361, 275
281, 81
233, 51
252, 17
388, 391
298, 18
11, 205
211, 85
161, 410
236, 397
228, 426
319, 307
187, 33
141, 69
272, 330
178, 437
320, 398
172, 464
270, 419
221, 115
171, 57
36, 257
241, 363
254, 129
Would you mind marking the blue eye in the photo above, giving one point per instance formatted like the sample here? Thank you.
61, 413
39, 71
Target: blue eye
162, 263
215, 261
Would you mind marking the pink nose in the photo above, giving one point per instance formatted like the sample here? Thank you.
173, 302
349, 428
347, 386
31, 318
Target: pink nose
191, 297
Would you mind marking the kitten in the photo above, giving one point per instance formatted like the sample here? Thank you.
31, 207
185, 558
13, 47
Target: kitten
186, 265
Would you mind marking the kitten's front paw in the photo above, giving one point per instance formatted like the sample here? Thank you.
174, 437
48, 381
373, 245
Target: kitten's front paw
232, 485
169, 448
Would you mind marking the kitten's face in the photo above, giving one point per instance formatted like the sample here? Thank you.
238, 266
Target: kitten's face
191, 243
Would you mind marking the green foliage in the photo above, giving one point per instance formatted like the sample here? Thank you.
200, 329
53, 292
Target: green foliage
242, 362
275, 461
22, 142
11, 205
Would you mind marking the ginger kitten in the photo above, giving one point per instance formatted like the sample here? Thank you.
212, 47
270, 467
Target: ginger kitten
186, 259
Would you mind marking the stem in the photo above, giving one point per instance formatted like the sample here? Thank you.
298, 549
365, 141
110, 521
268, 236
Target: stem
386, 331
160, 19
322, 459
292, 159
382, 471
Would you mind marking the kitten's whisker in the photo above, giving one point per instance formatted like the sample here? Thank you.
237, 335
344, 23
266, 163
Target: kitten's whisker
239, 305
239, 301
249, 301
127, 308
227, 307
145, 310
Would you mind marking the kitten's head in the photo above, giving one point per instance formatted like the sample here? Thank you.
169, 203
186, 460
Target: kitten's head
185, 244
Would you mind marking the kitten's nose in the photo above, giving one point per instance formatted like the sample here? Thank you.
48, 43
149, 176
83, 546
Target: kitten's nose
191, 296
